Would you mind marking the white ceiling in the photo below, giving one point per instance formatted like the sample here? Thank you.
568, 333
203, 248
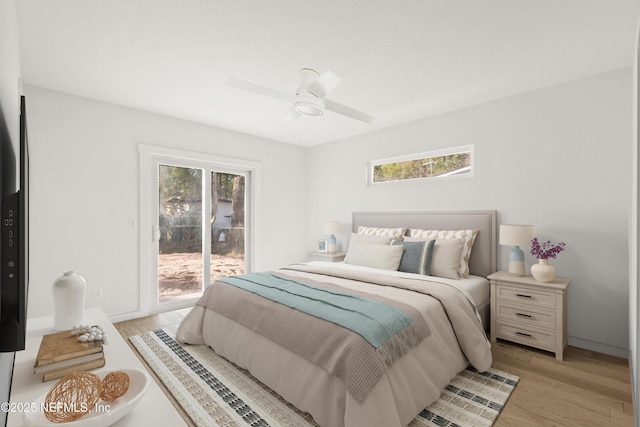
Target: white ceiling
400, 60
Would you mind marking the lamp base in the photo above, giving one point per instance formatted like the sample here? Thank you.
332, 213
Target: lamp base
516, 268
332, 244
516, 261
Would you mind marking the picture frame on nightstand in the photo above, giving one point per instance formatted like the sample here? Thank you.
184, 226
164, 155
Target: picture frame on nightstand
322, 245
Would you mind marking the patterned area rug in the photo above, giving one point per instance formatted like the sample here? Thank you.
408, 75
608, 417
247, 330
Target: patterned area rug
215, 392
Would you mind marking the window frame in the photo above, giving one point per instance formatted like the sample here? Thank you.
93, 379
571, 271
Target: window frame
470, 148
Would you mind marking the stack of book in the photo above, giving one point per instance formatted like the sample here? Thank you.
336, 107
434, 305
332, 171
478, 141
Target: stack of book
61, 354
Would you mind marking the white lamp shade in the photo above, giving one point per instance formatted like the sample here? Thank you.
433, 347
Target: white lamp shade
332, 227
516, 235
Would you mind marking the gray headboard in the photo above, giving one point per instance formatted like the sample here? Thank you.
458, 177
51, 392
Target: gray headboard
483, 254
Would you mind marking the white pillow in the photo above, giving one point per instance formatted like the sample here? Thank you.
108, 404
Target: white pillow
445, 260
384, 257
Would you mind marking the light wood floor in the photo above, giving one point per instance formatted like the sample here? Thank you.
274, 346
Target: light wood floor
586, 389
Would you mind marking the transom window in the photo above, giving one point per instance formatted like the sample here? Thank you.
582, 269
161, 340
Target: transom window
446, 163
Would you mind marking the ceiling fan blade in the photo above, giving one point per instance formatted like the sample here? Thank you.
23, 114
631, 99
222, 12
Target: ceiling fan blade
347, 111
324, 84
292, 115
259, 88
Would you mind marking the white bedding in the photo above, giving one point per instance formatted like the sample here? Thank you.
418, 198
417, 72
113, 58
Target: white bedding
411, 384
476, 288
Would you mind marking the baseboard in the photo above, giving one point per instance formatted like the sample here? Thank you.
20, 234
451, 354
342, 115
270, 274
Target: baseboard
599, 347
127, 316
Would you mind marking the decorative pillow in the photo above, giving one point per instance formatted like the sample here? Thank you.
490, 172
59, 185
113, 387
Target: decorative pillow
376, 240
385, 257
393, 233
445, 261
469, 237
416, 257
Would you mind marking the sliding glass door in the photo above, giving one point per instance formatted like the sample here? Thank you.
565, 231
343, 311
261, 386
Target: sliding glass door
200, 228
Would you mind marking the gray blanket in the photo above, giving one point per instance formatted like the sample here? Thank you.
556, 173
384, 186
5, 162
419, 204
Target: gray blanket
338, 350
461, 312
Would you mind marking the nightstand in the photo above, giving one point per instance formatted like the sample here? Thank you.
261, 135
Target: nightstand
325, 256
529, 312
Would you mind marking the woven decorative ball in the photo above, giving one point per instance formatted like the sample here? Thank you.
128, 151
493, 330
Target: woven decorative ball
72, 397
114, 385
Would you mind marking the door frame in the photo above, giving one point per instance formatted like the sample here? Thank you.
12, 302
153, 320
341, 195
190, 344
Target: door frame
149, 155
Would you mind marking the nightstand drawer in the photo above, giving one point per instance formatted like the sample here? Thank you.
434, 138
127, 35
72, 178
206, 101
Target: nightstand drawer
526, 296
543, 340
526, 316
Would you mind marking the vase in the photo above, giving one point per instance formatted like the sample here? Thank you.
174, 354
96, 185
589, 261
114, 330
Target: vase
68, 301
543, 271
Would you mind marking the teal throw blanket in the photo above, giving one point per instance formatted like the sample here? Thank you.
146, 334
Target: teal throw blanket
375, 321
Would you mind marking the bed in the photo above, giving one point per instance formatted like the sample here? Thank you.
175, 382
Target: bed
346, 382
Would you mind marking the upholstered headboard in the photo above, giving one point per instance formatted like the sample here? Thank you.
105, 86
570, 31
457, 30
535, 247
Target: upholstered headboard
483, 256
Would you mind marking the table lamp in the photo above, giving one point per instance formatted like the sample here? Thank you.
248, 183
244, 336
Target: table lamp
516, 235
332, 228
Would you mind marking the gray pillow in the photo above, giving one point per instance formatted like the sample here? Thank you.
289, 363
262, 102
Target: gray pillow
416, 257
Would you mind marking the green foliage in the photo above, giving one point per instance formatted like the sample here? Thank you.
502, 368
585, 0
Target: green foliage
179, 182
420, 168
181, 198
225, 185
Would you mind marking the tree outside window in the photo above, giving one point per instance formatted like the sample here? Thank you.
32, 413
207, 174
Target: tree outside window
435, 164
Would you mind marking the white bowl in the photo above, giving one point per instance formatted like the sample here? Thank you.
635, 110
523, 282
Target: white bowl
105, 413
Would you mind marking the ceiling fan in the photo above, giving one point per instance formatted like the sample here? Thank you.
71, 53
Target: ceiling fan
310, 97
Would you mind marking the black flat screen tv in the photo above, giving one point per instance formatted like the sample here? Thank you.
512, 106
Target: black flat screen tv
14, 239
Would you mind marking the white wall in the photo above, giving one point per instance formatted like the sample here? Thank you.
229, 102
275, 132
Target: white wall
557, 158
9, 128
84, 193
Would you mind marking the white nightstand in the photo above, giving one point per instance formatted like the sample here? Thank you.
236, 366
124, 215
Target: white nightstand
324, 256
529, 312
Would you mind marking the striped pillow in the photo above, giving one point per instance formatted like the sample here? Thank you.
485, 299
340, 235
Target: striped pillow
416, 257
468, 236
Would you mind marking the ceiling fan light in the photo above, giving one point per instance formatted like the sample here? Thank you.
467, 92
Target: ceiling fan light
309, 105
308, 109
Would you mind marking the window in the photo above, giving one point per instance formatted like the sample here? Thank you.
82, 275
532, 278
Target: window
450, 162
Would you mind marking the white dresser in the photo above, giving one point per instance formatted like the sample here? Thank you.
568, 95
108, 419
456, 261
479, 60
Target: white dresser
153, 409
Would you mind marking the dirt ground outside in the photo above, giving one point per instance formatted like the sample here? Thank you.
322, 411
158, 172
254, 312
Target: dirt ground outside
180, 274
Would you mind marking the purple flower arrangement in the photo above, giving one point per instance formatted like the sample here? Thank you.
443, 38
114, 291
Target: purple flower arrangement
545, 250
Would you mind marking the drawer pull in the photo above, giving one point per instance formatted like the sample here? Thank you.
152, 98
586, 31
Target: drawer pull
524, 296
528, 316
524, 335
